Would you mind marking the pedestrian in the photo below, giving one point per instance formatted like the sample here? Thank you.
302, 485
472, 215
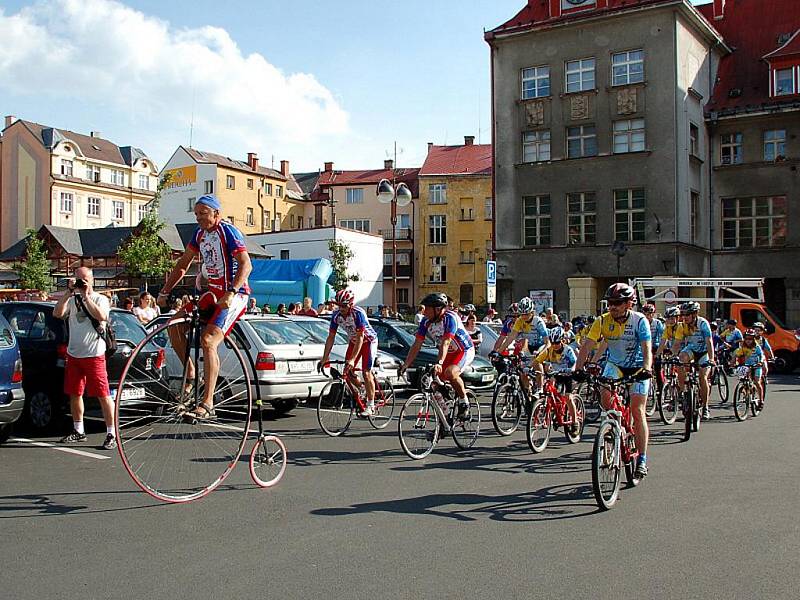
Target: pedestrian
154, 305
175, 306
266, 309
385, 314
321, 309
419, 314
370, 312
307, 310
144, 312
127, 304
290, 310
473, 330
282, 309
85, 369
252, 307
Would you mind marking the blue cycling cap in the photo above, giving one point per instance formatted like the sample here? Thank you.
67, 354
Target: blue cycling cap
210, 201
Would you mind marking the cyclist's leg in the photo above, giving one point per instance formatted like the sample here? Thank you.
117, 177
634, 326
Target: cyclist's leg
758, 375
454, 363
219, 326
705, 387
178, 338
685, 358
610, 371
369, 350
539, 368
638, 393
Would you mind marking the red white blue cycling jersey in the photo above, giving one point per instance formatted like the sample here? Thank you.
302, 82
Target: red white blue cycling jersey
449, 327
508, 324
217, 250
355, 321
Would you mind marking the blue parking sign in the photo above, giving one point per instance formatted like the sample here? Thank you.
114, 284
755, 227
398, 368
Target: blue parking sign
491, 272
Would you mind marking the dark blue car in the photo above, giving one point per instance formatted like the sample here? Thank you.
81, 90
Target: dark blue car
12, 397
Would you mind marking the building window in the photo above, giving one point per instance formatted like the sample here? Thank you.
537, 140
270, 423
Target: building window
144, 182
535, 82
66, 167
581, 141
142, 211
437, 193
93, 206
694, 140
354, 196
279, 191
117, 177
291, 221
402, 296
629, 136
535, 146
277, 226
731, 148
438, 269
251, 217
191, 202
582, 218
487, 209
775, 144
267, 221
467, 210
629, 215
249, 183
209, 186
118, 210
268, 189
437, 229
66, 202
230, 182
356, 224
753, 222
784, 82
536, 216
284, 255
93, 173
466, 252
694, 216
627, 67
580, 75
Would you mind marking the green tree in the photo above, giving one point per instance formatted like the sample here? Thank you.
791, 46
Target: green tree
145, 254
340, 258
34, 273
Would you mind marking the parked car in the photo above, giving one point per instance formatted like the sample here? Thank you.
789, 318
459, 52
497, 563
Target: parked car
387, 366
283, 354
12, 396
489, 338
396, 337
43, 341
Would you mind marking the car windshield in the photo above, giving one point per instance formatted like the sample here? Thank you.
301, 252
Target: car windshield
273, 332
320, 330
127, 327
409, 333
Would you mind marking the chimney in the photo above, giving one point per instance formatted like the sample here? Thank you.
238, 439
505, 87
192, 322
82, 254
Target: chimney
469, 140
719, 9
95, 134
10, 120
252, 160
430, 145
328, 167
285, 168
388, 164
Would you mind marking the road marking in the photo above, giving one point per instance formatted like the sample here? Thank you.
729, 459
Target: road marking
60, 448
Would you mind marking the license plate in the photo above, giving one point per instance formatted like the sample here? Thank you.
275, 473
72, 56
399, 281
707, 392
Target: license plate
391, 373
485, 378
301, 366
132, 393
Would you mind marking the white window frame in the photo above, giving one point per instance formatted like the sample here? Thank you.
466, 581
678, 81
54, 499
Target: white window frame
536, 146
732, 145
582, 212
144, 182
793, 76
635, 215
488, 209
91, 171
629, 136
118, 177
437, 229
209, 186
583, 137
67, 202
267, 217
694, 140
581, 67
279, 191
230, 182
363, 225
268, 189
251, 217
694, 215
191, 202
751, 219
141, 211
776, 142
354, 196
437, 193
117, 210
93, 204
537, 225
539, 77
67, 167
624, 72
438, 269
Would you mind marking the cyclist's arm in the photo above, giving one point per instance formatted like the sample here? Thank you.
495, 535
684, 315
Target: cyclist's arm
499, 343
244, 270
647, 354
178, 272
710, 348
587, 346
443, 350
328, 345
412, 352
507, 341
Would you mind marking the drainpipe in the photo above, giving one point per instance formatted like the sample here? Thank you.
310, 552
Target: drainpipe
680, 154
258, 200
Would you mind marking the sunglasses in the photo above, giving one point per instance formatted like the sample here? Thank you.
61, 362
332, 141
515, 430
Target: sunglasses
617, 302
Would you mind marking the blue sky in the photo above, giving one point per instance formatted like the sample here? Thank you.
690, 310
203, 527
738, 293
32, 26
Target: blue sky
307, 81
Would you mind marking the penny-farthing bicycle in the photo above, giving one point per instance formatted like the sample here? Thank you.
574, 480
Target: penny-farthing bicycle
168, 452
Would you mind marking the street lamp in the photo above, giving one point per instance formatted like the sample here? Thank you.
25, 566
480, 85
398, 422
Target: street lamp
399, 194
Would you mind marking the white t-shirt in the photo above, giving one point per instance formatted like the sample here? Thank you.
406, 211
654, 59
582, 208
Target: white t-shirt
145, 314
84, 342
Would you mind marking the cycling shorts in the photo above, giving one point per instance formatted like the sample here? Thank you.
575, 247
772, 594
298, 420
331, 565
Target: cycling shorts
612, 371
700, 358
213, 314
461, 359
367, 354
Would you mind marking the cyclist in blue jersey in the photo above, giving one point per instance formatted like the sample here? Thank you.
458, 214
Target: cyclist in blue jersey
456, 351
766, 348
693, 342
508, 323
223, 254
362, 342
531, 329
656, 332
627, 334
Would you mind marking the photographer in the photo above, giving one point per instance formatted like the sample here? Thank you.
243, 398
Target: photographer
85, 369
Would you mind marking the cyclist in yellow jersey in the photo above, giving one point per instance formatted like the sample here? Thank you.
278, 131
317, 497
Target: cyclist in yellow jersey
532, 330
560, 359
750, 354
693, 342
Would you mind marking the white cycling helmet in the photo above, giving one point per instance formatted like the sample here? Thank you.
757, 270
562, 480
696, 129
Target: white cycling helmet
526, 306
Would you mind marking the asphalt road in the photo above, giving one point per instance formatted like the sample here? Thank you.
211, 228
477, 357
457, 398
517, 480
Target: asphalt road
354, 518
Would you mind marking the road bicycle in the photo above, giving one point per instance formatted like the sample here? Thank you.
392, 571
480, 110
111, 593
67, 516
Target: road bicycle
509, 400
745, 394
170, 451
346, 392
615, 444
550, 412
434, 412
669, 400
690, 399
718, 379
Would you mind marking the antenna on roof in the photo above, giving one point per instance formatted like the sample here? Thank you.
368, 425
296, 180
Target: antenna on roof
191, 121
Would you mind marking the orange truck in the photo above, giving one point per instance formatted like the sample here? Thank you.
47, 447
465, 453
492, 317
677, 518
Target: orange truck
733, 298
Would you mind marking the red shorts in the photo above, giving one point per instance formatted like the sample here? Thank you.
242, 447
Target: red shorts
86, 375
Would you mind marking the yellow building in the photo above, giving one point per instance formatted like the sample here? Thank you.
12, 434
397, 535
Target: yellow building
455, 221
255, 199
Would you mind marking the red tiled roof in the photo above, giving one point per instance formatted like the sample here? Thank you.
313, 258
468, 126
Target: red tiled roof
475, 159
370, 177
751, 28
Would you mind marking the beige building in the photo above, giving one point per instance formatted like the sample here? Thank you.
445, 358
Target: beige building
58, 177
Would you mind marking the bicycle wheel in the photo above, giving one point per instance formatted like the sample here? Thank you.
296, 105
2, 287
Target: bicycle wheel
741, 401
418, 426
755, 403
538, 427
650, 404
670, 404
606, 475
268, 461
506, 408
686, 407
722, 386
591, 402
574, 435
169, 456
384, 404
335, 408
696, 411
466, 427
630, 466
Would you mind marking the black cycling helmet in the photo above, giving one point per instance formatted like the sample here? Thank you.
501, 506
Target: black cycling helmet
688, 308
731, 322
436, 299
620, 291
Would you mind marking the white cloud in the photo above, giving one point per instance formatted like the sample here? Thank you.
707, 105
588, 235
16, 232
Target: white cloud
105, 54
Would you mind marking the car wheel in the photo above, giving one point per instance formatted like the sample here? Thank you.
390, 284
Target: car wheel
284, 406
5, 432
40, 411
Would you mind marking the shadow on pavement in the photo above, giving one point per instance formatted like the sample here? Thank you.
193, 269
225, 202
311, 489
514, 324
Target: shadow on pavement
496, 460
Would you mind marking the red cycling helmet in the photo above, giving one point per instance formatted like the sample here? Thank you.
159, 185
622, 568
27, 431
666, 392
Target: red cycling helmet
345, 298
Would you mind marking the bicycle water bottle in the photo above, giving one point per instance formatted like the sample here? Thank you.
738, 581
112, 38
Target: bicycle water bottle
437, 396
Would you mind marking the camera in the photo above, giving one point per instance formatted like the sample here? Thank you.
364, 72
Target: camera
80, 284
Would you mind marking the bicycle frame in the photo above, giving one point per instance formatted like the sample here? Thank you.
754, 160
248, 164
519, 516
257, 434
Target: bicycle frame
350, 378
621, 416
557, 404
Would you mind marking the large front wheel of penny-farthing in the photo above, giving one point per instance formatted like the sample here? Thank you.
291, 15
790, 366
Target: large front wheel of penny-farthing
168, 453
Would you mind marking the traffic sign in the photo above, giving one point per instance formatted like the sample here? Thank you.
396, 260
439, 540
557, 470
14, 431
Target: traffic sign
491, 272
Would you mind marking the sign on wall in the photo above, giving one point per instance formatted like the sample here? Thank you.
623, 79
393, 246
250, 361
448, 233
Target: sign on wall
542, 299
182, 176
491, 281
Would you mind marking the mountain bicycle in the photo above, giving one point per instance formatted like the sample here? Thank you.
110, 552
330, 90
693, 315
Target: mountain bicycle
551, 412
340, 397
434, 412
589, 391
169, 452
718, 379
745, 394
509, 398
690, 399
669, 401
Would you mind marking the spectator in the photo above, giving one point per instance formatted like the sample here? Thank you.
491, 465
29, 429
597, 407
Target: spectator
85, 369
330, 306
266, 309
144, 312
491, 316
282, 309
127, 304
43, 296
307, 309
155, 306
370, 312
175, 306
473, 330
291, 308
252, 307
385, 312
419, 314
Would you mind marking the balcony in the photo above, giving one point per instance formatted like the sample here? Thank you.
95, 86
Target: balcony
403, 233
